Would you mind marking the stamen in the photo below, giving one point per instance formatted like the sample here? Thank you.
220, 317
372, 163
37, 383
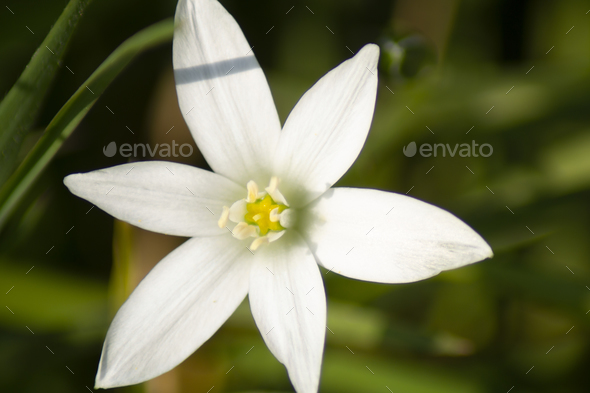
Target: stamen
258, 242
252, 191
257, 217
224, 217
274, 215
272, 236
273, 185
237, 211
243, 231
273, 191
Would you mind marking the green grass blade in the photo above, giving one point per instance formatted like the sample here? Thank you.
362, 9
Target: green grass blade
21, 105
72, 113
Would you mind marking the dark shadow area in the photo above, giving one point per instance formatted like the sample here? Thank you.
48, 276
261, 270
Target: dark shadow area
215, 70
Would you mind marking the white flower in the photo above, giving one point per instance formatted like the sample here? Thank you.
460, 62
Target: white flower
281, 232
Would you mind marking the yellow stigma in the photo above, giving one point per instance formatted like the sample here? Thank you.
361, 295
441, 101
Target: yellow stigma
259, 213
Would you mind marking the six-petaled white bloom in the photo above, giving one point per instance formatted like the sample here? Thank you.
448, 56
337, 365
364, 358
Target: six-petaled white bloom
263, 221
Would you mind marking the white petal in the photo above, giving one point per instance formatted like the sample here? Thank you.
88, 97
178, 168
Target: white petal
385, 237
159, 196
177, 307
288, 303
223, 93
326, 130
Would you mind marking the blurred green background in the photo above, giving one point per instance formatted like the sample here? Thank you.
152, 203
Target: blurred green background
444, 64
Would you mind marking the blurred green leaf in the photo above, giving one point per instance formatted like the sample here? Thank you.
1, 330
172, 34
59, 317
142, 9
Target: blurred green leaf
21, 105
72, 113
566, 294
344, 372
362, 326
48, 301
121, 284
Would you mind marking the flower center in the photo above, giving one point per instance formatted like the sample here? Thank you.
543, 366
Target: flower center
265, 213
262, 215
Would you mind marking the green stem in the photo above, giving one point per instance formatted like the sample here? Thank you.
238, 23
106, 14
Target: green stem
19, 108
72, 113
